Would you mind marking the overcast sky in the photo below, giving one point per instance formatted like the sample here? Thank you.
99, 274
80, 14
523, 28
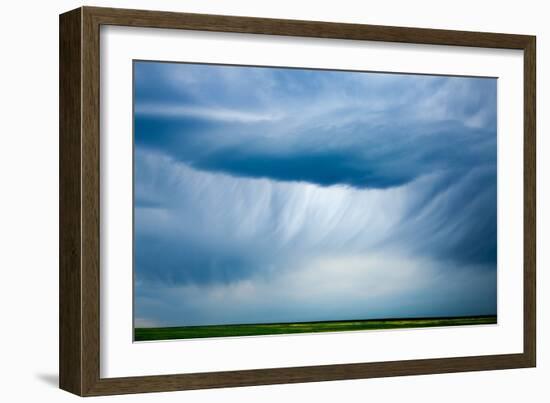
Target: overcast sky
280, 195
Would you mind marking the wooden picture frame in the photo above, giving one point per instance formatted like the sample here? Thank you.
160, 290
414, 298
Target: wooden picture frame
79, 348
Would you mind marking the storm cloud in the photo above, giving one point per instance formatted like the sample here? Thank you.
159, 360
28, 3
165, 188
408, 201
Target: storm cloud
273, 194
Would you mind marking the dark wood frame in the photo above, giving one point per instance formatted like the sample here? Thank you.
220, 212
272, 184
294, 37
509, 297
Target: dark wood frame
79, 201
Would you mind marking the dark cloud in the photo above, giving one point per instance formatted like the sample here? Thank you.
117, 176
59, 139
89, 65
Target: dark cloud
172, 261
456, 221
376, 157
327, 128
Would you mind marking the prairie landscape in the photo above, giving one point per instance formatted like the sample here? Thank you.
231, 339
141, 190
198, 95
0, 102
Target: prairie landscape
192, 332
274, 200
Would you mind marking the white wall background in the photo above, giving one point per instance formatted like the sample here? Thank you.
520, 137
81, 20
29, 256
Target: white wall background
29, 202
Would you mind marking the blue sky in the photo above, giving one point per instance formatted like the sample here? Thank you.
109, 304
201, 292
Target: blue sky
280, 195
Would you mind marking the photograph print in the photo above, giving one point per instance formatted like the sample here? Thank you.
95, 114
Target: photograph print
273, 200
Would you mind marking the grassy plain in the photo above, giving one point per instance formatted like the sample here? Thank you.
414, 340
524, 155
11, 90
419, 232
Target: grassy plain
193, 332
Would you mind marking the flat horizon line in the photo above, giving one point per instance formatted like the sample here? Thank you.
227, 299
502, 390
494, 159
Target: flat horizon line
326, 321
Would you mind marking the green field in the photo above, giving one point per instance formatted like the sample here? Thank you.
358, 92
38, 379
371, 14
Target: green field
193, 332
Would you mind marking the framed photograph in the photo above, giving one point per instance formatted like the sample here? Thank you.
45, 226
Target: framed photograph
249, 201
